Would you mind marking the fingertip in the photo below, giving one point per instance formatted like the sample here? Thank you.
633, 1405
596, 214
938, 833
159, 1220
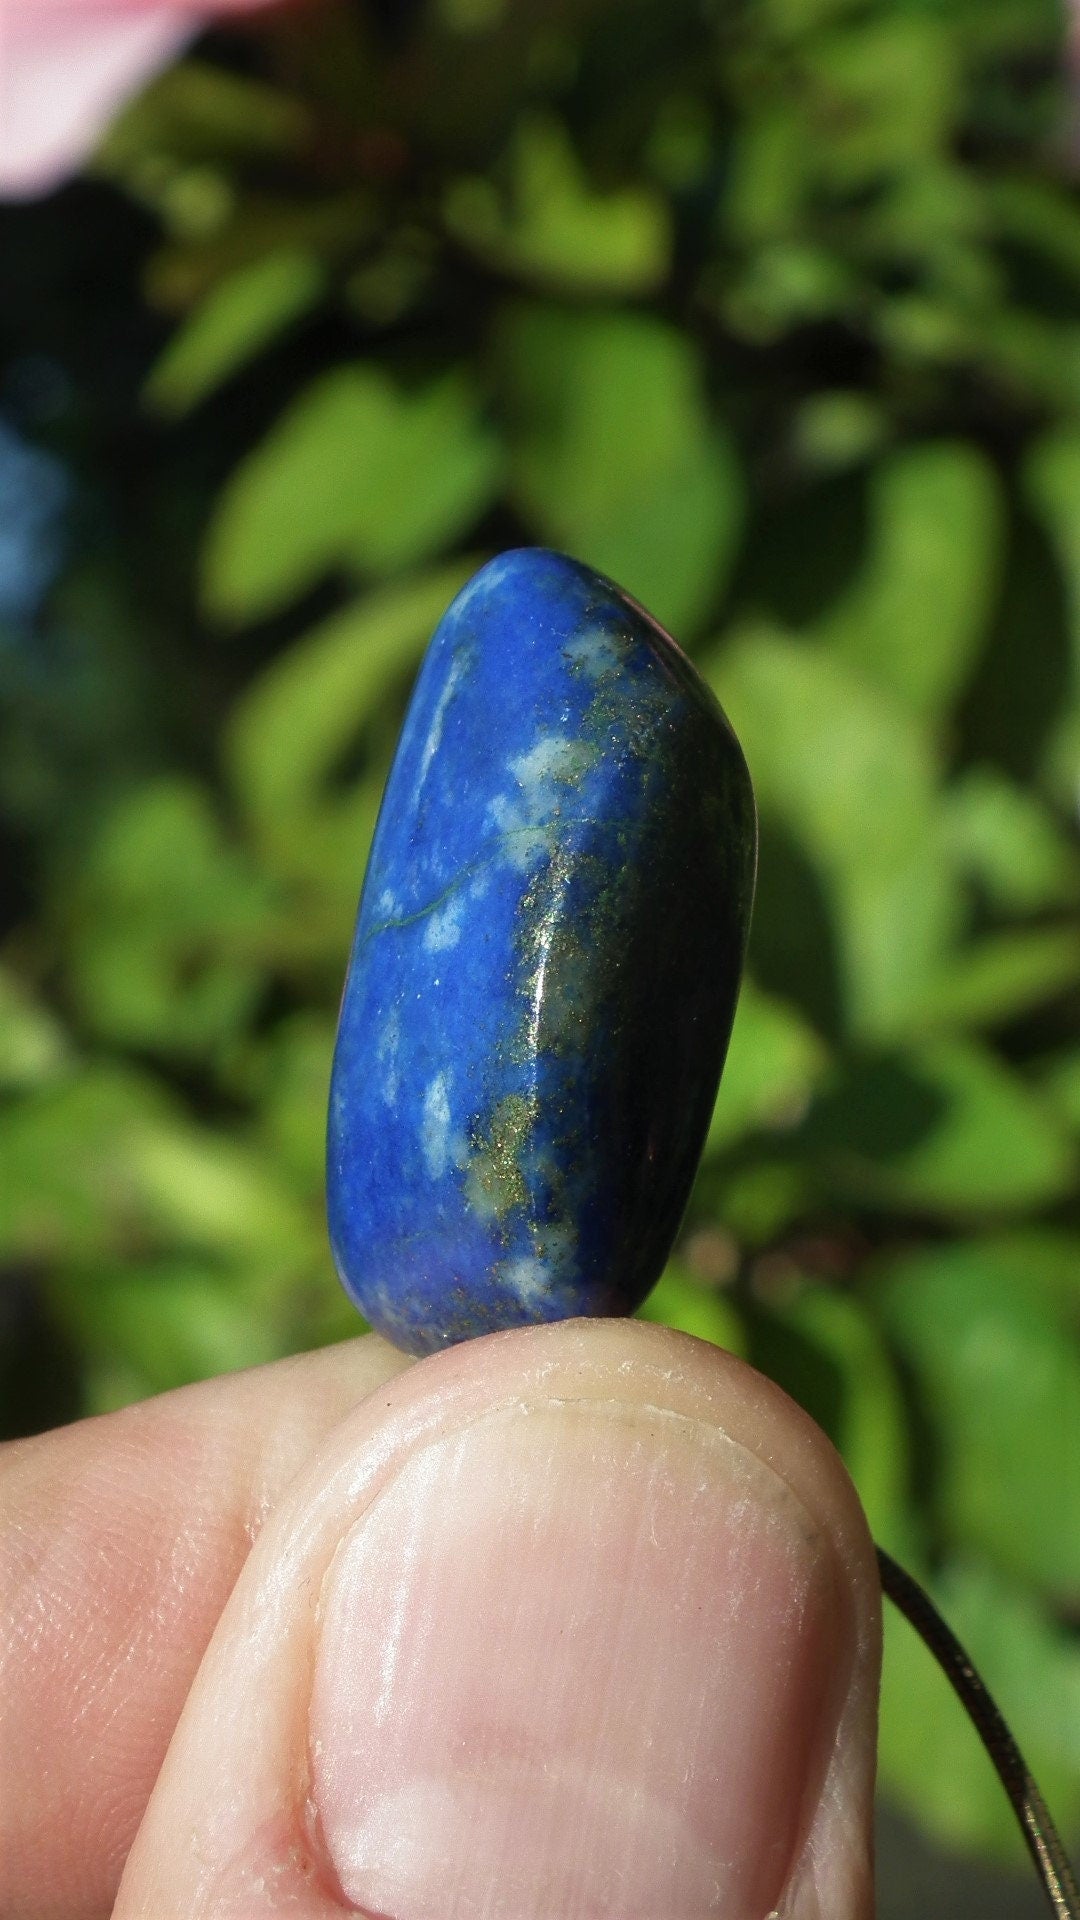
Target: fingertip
581, 1619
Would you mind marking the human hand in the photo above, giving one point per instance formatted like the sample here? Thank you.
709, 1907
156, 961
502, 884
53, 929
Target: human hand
575, 1623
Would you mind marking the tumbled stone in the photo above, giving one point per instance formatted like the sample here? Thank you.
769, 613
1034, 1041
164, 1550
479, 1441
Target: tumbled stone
545, 965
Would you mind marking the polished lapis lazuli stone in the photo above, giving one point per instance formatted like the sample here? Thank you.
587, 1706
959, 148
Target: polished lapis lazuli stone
545, 965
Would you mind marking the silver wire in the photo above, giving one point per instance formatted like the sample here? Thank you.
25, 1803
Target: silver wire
1043, 1840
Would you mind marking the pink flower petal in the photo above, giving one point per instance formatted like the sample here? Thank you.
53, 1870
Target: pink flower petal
65, 68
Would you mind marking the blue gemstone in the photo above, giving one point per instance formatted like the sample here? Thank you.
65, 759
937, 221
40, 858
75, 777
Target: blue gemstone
545, 965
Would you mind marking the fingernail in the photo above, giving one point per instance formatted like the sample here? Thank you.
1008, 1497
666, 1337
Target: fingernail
579, 1661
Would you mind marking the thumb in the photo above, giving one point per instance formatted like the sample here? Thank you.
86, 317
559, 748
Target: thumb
575, 1623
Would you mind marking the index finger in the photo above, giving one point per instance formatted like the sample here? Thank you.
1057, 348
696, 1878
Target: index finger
121, 1540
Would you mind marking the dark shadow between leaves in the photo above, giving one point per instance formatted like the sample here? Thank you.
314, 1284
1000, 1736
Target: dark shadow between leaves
877, 1112
792, 944
1021, 686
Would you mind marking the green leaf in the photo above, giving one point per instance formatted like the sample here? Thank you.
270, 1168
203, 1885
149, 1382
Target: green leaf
1039, 213
863, 103
336, 691
1060, 1080
243, 314
850, 775
289, 1081
759, 1199
33, 1047
1053, 486
873, 1430
930, 1759
552, 227
65, 1150
995, 1358
615, 458
205, 1190
881, 96
195, 111
295, 720
1007, 841
680, 1302
930, 221
838, 429
1000, 977
320, 863
792, 21
168, 924
774, 1062
858, 1397
1044, 1261
1030, 354
359, 473
915, 615
945, 1129
768, 179
785, 285
147, 1328
331, 229
1053, 481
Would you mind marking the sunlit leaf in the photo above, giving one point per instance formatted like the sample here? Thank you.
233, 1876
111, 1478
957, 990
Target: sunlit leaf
837, 429
65, 1152
295, 720
236, 321
168, 924
785, 285
851, 776
759, 1198
883, 93
997, 978
997, 1364
208, 1190
551, 226
1009, 843
930, 219
681, 1302
915, 615
768, 180
33, 1046
774, 1062
359, 473
946, 1129
1053, 482
1044, 1262
860, 1405
289, 1079
614, 456
307, 749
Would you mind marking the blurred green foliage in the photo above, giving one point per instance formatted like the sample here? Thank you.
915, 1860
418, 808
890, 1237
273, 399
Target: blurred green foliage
772, 311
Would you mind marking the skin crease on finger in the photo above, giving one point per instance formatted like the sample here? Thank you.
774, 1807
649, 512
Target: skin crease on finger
242, 1820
